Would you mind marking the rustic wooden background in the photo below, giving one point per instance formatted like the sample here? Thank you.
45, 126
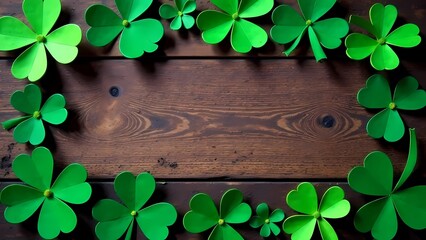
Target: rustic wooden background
203, 118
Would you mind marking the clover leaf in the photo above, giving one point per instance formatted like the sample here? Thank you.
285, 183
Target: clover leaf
137, 36
267, 221
304, 200
36, 171
204, 215
61, 43
134, 192
377, 95
382, 19
215, 25
290, 26
30, 128
375, 178
179, 13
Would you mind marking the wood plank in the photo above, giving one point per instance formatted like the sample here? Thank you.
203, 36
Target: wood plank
222, 119
184, 43
179, 194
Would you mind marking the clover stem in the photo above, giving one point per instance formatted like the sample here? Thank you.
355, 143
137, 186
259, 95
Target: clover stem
392, 106
221, 221
134, 213
381, 41
308, 22
37, 115
180, 13
40, 38
267, 221
48, 193
316, 214
235, 16
126, 23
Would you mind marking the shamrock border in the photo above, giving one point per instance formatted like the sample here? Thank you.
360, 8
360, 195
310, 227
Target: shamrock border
123, 23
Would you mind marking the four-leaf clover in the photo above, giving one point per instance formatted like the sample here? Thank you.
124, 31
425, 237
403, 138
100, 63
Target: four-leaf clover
61, 43
115, 218
179, 13
382, 19
30, 128
266, 221
216, 25
204, 215
377, 95
290, 26
304, 200
137, 36
375, 178
22, 201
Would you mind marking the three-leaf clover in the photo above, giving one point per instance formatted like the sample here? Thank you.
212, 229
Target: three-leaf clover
290, 26
304, 200
215, 25
116, 218
375, 178
30, 128
382, 19
266, 221
204, 215
377, 95
22, 201
137, 36
179, 13
61, 43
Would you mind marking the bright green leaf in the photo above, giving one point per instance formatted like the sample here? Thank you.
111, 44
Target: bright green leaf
14, 34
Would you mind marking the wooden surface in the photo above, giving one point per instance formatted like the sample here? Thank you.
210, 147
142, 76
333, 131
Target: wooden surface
204, 118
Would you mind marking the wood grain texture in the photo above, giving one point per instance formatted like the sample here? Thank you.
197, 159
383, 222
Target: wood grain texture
179, 194
189, 43
212, 118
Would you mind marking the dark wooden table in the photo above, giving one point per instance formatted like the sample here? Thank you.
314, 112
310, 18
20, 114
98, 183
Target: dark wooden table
203, 118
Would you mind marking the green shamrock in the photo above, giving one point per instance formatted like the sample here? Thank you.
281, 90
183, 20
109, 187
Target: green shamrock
179, 13
382, 19
137, 36
30, 128
204, 215
115, 218
22, 201
377, 95
266, 221
304, 200
290, 26
61, 43
375, 178
216, 25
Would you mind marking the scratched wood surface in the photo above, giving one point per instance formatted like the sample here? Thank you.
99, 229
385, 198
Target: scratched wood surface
204, 118
212, 118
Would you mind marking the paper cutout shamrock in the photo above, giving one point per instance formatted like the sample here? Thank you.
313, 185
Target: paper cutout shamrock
266, 221
116, 218
204, 215
22, 201
137, 36
304, 200
30, 128
179, 13
61, 43
216, 25
375, 178
360, 46
290, 26
377, 95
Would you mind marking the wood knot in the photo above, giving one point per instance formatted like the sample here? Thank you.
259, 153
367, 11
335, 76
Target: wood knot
114, 91
327, 121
